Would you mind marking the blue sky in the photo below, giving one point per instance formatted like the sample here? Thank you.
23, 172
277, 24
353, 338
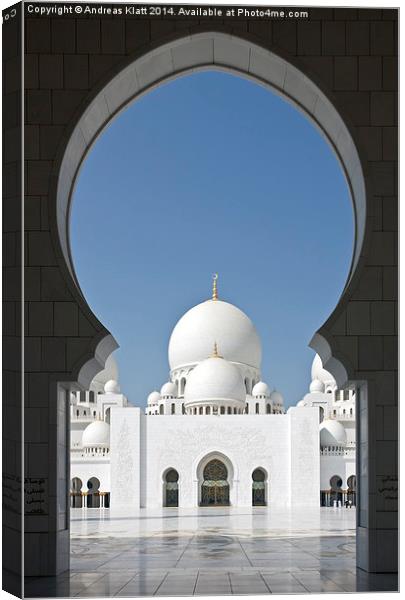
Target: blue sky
212, 173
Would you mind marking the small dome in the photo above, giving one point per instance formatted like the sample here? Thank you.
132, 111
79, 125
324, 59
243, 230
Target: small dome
112, 387
261, 389
332, 433
277, 398
168, 389
154, 397
316, 386
215, 379
318, 372
96, 434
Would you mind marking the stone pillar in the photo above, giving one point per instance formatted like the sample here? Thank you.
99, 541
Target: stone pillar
377, 475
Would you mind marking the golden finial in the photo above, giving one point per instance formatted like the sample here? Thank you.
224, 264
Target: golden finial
214, 286
215, 353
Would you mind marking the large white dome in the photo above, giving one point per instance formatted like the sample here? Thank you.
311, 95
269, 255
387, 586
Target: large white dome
213, 321
318, 372
332, 433
215, 379
97, 434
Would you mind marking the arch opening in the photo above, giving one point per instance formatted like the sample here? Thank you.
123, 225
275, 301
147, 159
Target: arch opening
171, 488
76, 494
215, 485
235, 54
259, 487
93, 493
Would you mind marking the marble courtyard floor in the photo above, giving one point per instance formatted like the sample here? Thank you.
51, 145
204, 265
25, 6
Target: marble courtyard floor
220, 551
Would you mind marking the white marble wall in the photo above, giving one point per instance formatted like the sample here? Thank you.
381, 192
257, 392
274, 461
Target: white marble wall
125, 457
304, 456
144, 448
244, 441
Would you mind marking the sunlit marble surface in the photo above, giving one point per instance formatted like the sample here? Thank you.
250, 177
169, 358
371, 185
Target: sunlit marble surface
207, 551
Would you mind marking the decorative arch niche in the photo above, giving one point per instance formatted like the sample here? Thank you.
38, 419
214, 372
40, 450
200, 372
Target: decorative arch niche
208, 51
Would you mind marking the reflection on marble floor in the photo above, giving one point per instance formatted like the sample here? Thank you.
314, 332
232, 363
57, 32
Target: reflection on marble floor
184, 553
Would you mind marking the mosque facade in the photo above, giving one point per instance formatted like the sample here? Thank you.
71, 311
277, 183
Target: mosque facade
214, 434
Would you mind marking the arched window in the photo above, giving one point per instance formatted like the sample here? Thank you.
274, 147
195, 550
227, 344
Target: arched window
234, 411
182, 385
222, 409
107, 415
183, 410
229, 410
161, 409
208, 410
268, 409
77, 413
257, 408
201, 410
171, 491
259, 487
173, 408
247, 408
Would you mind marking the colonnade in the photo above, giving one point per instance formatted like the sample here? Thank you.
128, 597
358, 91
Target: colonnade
89, 499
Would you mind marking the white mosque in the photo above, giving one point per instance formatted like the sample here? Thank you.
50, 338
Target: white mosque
214, 434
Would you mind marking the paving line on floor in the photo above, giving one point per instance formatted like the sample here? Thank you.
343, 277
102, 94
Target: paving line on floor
184, 551
195, 583
230, 582
299, 582
245, 553
322, 576
265, 582
160, 584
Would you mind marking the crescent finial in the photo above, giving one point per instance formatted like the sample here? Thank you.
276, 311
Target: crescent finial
214, 287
